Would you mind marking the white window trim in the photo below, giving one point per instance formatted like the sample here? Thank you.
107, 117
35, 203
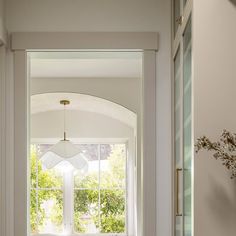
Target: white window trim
68, 186
146, 145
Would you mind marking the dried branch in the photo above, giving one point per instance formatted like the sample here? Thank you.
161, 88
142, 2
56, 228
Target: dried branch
224, 149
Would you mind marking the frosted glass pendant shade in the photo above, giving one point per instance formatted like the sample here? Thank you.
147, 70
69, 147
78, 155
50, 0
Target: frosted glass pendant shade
64, 151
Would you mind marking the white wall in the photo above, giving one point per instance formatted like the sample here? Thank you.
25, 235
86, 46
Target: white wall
123, 91
214, 51
80, 15
80, 124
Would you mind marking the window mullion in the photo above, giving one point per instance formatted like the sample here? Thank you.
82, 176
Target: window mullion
68, 202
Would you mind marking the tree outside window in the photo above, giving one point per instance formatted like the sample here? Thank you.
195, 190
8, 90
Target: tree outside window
99, 196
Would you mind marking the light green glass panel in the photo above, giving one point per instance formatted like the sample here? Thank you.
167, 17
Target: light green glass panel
177, 91
187, 146
177, 124
177, 153
185, 1
178, 226
187, 132
176, 15
187, 104
177, 114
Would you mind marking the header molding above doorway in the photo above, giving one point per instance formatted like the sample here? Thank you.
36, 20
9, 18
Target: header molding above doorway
84, 40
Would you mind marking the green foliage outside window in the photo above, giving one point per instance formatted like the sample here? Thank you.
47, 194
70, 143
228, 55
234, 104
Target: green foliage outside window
45, 179
108, 217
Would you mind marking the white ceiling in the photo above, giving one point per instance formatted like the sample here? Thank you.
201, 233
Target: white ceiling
85, 64
51, 102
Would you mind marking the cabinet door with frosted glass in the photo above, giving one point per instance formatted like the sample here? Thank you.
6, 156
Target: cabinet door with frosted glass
179, 8
177, 143
182, 58
183, 136
177, 14
187, 131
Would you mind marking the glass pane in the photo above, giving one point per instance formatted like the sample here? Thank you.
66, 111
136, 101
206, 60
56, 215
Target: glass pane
50, 211
33, 212
176, 14
90, 179
112, 211
185, 2
52, 178
177, 82
42, 148
177, 153
86, 211
187, 61
178, 160
33, 166
178, 226
177, 122
89, 150
187, 146
112, 166
187, 102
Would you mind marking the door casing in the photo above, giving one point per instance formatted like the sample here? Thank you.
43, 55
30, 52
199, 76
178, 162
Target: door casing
147, 43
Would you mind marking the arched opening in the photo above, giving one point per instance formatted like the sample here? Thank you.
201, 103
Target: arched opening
102, 200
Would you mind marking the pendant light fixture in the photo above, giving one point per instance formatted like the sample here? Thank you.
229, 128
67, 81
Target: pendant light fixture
64, 150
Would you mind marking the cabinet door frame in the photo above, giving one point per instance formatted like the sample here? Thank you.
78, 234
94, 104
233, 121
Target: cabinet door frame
177, 46
177, 38
174, 166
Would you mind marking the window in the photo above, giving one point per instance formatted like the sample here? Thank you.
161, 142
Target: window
64, 200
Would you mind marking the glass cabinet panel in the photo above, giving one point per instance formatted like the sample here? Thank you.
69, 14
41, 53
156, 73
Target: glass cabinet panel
177, 143
187, 131
177, 110
182, 123
177, 13
185, 2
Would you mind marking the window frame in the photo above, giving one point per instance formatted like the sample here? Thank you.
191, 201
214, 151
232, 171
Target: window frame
68, 214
